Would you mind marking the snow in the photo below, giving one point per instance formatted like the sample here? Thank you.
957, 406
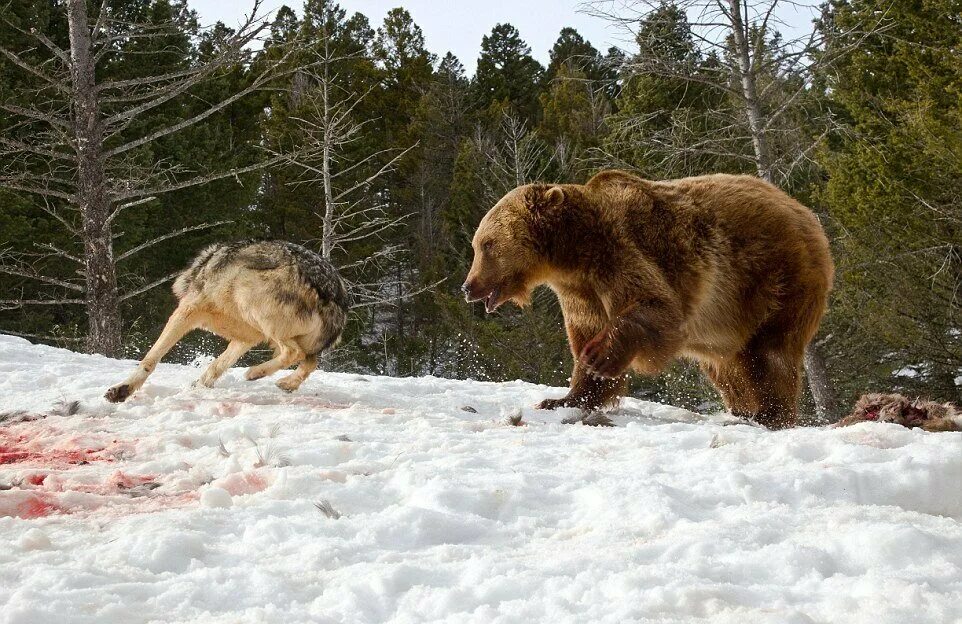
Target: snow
221, 506
906, 371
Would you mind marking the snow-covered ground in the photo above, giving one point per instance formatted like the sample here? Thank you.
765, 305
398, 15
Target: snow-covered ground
199, 505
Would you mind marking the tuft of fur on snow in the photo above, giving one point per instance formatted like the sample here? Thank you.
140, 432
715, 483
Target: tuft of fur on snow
513, 418
65, 408
60, 408
468, 408
717, 441
19, 416
900, 410
343, 438
325, 507
13, 485
222, 449
268, 455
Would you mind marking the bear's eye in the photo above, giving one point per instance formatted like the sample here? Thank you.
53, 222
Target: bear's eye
487, 245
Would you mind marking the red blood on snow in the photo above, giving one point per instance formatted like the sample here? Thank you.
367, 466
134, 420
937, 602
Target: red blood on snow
36, 507
34, 447
37, 478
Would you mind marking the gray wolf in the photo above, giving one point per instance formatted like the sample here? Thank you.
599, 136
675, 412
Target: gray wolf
251, 292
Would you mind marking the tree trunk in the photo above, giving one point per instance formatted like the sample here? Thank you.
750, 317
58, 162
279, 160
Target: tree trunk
102, 301
819, 383
746, 72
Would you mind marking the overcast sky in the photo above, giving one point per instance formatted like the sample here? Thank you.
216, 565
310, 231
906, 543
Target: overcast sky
458, 25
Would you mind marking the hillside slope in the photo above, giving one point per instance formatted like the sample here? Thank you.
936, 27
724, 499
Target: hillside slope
199, 505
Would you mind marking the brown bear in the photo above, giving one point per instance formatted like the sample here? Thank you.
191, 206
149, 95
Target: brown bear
725, 269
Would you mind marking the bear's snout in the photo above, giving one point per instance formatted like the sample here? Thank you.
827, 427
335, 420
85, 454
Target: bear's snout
472, 291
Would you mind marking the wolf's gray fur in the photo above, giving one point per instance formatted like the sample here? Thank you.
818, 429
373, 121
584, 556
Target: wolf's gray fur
250, 292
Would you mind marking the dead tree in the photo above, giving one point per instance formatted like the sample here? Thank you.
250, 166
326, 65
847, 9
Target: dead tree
353, 209
76, 148
765, 80
511, 155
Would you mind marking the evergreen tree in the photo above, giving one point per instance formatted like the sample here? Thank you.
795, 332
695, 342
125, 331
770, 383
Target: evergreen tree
572, 50
670, 124
575, 102
132, 103
895, 179
507, 74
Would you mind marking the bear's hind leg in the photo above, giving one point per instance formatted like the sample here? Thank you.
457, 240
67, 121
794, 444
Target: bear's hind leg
779, 378
732, 377
761, 385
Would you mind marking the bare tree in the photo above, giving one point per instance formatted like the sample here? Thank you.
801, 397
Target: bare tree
765, 80
511, 155
353, 208
78, 147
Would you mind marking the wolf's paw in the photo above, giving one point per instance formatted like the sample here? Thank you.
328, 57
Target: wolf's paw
118, 394
287, 384
254, 373
202, 382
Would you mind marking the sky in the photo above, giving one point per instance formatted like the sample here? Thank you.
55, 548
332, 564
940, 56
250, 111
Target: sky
458, 25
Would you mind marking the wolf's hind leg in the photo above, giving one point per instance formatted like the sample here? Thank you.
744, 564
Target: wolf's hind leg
234, 351
292, 382
183, 320
288, 352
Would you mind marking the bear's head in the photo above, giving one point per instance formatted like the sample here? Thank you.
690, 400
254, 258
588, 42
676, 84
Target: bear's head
510, 246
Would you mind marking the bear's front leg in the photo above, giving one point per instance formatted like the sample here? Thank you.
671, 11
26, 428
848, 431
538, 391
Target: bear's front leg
646, 334
588, 392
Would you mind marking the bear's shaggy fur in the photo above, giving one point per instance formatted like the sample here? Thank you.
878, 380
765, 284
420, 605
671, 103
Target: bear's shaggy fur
725, 269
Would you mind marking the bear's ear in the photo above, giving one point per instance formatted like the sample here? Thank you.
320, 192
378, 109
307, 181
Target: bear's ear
554, 196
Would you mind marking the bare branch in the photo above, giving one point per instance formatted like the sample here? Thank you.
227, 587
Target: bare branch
176, 186
20, 146
15, 184
14, 304
40, 278
151, 285
154, 241
60, 85
393, 300
100, 23
263, 79
130, 204
388, 166
56, 251
53, 120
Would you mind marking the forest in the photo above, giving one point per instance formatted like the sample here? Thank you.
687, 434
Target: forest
131, 137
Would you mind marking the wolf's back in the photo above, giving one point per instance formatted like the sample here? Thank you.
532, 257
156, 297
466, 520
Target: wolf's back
275, 278
265, 255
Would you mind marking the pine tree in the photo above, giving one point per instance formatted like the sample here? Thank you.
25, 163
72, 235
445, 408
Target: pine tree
667, 124
575, 52
575, 102
507, 74
895, 179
